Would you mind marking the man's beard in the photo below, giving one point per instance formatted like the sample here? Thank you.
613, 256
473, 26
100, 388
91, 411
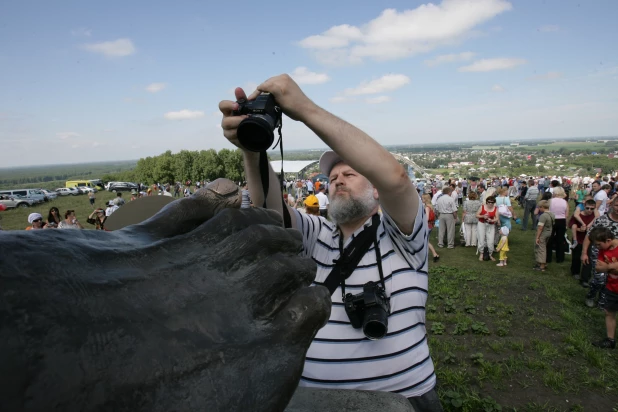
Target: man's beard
342, 210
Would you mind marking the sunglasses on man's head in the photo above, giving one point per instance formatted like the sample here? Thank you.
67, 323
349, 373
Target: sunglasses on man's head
37, 220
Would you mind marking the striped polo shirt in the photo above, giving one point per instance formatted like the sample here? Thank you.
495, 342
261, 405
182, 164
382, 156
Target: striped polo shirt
341, 357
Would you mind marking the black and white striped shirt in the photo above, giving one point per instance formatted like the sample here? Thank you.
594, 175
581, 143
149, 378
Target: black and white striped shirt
341, 357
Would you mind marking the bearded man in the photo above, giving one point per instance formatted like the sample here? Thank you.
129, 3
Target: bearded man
365, 179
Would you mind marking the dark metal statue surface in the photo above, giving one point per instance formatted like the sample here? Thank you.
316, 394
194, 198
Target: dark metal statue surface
202, 307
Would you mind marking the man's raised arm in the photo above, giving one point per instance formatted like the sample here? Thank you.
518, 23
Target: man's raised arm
251, 161
397, 193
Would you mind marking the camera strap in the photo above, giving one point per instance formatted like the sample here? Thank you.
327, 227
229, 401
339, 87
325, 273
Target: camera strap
352, 255
265, 177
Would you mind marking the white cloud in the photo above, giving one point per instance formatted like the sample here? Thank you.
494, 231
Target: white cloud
116, 48
155, 87
394, 35
302, 75
548, 28
378, 99
385, 83
487, 65
66, 135
75, 146
547, 76
340, 99
81, 32
184, 115
497, 88
449, 58
96, 144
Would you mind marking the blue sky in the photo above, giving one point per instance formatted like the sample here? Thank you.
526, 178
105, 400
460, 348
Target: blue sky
96, 81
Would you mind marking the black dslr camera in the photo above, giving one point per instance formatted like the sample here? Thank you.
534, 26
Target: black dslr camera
369, 310
256, 132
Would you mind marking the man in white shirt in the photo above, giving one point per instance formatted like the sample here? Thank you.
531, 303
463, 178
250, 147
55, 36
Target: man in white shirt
309, 186
436, 195
342, 356
111, 208
447, 208
454, 193
601, 198
323, 200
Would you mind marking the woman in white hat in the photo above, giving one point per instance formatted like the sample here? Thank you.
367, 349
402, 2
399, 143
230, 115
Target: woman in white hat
36, 222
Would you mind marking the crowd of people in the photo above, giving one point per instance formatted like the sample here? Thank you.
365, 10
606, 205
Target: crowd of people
586, 230
99, 215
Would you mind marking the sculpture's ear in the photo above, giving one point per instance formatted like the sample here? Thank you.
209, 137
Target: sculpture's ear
136, 211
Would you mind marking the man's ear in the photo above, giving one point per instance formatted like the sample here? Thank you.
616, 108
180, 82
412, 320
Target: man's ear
376, 195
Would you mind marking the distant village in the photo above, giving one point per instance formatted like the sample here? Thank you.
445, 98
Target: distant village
515, 158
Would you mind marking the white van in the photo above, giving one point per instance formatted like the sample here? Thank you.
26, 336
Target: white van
34, 194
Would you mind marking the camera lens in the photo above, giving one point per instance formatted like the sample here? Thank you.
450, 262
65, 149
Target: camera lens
255, 133
375, 325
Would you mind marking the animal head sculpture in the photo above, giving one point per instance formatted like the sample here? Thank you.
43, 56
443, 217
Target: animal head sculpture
201, 307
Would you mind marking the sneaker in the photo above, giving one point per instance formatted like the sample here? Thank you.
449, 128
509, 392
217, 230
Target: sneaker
538, 268
590, 303
576, 277
574, 244
606, 343
585, 285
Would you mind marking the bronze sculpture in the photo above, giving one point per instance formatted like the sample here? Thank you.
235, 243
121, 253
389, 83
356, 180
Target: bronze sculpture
201, 307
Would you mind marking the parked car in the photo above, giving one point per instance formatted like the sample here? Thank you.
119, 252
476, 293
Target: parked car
66, 191
121, 187
15, 201
34, 194
86, 189
50, 195
107, 185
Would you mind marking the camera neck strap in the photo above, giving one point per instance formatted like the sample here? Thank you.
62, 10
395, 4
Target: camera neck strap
265, 176
350, 257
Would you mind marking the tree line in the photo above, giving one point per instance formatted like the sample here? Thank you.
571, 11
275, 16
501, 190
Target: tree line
185, 165
52, 176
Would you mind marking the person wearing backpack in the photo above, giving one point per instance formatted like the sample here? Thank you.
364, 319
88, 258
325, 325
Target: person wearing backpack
505, 209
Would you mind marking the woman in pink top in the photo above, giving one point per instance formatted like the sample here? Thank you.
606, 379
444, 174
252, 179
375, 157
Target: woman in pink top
560, 208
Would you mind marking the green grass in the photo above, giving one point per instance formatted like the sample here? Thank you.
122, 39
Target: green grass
17, 219
515, 338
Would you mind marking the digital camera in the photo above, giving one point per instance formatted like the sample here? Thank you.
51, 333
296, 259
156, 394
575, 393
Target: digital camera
256, 132
369, 310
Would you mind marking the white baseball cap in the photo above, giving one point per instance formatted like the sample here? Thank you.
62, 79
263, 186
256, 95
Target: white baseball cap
328, 160
34, 216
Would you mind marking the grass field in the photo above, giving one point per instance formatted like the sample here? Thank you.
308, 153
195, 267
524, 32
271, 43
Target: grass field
508, 339
17, 219
515, 339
